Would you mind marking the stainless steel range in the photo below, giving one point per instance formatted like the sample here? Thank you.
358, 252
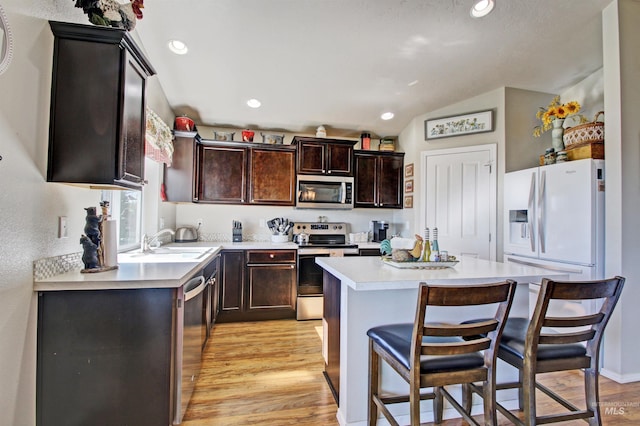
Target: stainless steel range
317, 239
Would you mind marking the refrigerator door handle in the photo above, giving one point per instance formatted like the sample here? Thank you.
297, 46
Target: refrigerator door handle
541, 209
548, 267
532, 188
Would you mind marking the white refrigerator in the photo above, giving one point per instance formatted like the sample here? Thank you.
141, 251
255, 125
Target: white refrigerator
554, 219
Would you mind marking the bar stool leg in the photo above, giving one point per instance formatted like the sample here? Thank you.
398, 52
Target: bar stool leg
591, 395
438, 405
374, 385
489, 400
529, 392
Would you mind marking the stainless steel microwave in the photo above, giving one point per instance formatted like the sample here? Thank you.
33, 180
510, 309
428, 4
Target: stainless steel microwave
324, 192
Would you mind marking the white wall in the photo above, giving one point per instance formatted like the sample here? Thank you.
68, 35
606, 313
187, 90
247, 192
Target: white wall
621, 42
29, 208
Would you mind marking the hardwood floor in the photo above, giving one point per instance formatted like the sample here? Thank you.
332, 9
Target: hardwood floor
270, 373
263, 373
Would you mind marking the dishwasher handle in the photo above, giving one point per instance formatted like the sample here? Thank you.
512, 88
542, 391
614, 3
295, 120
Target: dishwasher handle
194, 287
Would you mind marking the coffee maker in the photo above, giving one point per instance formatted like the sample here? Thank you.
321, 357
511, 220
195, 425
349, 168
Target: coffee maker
379, 230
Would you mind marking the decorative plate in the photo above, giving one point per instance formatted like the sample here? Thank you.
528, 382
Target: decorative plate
421, 265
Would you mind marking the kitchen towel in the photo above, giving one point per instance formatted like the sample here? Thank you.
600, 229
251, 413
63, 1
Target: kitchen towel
110, 239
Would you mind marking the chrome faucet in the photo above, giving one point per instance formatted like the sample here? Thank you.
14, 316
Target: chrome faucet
147, 242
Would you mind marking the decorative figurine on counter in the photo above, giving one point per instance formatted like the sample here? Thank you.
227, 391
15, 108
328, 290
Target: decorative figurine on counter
92, 226
91, 240
89, 255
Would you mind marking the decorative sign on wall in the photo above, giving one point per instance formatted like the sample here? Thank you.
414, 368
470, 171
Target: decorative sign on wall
408, 170
408, 185
458, 125
408, 201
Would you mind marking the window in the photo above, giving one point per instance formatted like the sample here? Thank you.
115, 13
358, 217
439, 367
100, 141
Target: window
126, 207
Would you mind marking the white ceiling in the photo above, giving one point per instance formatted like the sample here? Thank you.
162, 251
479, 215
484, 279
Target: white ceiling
342, 63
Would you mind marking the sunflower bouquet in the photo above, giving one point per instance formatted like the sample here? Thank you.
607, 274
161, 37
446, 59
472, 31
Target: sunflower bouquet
554, 111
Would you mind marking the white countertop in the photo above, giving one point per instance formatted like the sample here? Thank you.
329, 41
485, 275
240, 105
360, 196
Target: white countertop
155, 275
372, 273
149, 274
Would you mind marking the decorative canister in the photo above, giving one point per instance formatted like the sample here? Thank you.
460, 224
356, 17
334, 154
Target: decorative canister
561, 157
549, 156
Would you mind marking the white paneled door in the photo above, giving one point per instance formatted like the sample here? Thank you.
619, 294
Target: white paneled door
460, 199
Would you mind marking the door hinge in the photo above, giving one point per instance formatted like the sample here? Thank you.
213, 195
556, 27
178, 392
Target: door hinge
489, 236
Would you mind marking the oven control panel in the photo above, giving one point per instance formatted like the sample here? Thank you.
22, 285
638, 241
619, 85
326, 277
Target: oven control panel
338, 228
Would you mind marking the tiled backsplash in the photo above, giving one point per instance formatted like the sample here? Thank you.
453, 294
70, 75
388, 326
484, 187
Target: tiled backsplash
51, 266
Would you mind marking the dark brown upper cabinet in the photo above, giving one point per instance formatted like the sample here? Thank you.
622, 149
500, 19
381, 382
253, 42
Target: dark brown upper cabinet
97, 118
221, 174
238, 173
322, 156
272, 179
378, 179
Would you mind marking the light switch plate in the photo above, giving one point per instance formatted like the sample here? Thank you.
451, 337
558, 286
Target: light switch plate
62, 227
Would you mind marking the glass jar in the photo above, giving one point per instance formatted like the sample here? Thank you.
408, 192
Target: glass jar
561, 157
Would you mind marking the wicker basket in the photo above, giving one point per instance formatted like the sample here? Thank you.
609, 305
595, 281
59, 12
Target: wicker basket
584, 133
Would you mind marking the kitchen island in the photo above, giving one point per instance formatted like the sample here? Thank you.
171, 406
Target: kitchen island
364, 292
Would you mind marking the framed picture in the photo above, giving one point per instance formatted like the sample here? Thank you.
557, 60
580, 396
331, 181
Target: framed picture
408, 185
458, 125
408, 201
408, 170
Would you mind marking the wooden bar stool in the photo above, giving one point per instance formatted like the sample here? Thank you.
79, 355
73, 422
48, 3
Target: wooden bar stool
434, 355
532, 350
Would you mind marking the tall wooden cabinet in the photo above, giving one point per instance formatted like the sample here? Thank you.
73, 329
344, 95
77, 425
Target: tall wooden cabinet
378, 179
322, 156
97, 117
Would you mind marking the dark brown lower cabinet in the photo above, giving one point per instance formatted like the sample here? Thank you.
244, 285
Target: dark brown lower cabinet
105, 357
331, 320
257, 285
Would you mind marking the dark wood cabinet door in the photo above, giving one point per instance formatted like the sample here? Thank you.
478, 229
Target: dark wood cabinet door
232, 282
272, 176
390, 183
366, 176
221, 174
179, 179
132, 134
272, 288
101, 349
312, 158
339, 159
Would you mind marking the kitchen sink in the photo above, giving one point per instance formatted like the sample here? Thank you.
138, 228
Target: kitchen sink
165, 255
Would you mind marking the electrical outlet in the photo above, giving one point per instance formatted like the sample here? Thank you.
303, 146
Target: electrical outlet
62, 227
161, 223
200, 222
263, 223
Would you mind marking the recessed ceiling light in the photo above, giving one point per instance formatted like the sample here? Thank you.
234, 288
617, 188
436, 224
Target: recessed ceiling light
178, 47
482, 8
254, 103
387, 116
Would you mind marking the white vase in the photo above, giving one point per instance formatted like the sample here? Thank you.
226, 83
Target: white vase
556, 134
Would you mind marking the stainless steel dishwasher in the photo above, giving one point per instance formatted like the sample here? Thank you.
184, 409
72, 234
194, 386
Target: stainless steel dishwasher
189, 341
